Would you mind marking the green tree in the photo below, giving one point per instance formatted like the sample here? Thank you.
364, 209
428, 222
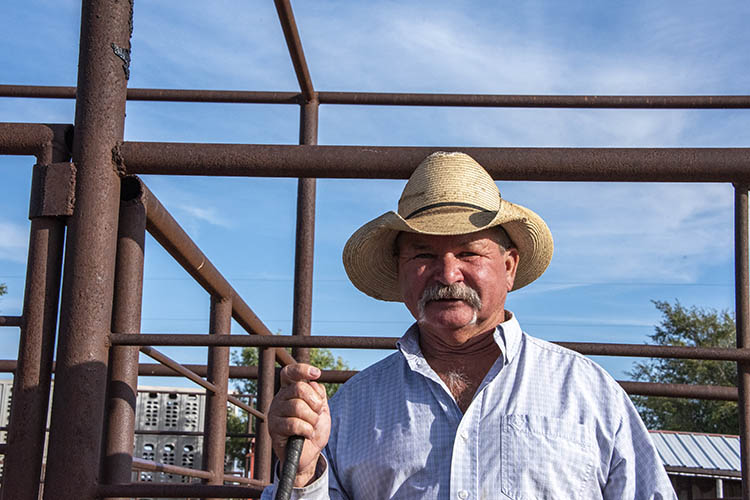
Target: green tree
3, 289
324, 359
692, 327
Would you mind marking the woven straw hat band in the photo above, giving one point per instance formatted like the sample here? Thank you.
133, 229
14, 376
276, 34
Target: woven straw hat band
448, 179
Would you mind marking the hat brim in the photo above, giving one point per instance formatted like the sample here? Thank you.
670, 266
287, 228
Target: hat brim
372, 265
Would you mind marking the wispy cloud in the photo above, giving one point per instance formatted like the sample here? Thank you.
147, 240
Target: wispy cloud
206, 214
13, 241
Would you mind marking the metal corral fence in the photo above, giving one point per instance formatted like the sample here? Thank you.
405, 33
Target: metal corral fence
84, 182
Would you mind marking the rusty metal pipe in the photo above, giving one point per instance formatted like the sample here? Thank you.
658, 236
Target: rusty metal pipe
215, 426
11, 320
141, 464
405, 99
44, 141
368, 162
126, 318
536, 101
304, 254
75, 444
742, 317
588, 348
266, 385
173, 238
31, 384
166, 490
713, 392
294, 44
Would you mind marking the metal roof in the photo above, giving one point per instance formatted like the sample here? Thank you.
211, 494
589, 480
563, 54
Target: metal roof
693, 450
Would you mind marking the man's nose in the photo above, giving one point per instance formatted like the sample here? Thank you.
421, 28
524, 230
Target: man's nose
449, 270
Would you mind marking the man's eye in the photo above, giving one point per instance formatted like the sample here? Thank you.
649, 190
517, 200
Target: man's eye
465, 255
423, 256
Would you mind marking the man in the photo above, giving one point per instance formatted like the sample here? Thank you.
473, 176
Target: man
470, 407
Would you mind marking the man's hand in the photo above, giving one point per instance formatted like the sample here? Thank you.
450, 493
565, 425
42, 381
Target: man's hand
300, 408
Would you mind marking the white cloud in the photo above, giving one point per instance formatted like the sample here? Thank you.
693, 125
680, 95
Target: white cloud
626, 232
14, 240
206, 214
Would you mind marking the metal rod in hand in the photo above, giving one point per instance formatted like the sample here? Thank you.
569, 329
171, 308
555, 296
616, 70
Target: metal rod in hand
291, 464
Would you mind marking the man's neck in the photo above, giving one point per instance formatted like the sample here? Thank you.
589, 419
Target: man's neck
462, 367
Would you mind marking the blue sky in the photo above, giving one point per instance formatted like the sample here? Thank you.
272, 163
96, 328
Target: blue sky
618, 246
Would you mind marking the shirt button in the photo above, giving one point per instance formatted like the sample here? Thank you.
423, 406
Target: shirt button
463, 494
465, 437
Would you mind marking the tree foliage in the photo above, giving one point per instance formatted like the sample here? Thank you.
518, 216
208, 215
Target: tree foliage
237, 448
3, 289
692, 327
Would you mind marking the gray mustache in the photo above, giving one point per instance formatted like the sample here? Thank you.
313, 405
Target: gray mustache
456, 291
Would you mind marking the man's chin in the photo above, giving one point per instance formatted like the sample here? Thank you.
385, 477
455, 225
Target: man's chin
447, 319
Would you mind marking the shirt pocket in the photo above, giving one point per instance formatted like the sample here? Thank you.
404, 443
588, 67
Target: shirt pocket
546, 458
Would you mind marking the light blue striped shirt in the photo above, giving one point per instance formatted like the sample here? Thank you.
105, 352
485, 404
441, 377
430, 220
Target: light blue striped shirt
545, 423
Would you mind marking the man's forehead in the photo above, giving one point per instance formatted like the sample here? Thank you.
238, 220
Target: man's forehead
416, 240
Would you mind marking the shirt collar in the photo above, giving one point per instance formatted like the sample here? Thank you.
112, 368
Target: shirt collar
507, 336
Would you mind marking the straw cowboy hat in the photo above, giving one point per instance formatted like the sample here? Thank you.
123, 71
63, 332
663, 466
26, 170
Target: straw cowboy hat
448, 194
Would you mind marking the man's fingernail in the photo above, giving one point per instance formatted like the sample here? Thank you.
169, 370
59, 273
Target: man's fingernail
314, 371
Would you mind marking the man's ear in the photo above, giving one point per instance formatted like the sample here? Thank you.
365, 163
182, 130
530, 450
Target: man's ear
511, 266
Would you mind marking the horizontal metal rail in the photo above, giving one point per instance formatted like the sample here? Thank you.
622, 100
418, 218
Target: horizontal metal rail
167, 490
148, 465
178, 368
588, 348
170, 235
723, 393
11, 320
403, 99
370, 162
37, 139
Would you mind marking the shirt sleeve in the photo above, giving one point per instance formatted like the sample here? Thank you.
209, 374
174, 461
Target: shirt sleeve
317, 490
636, 471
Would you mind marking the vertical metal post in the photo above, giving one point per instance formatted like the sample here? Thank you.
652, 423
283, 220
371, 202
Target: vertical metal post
742, 315
31, 387
305, 240
126, 318
266, 383
215, 426
31, 384
75, 446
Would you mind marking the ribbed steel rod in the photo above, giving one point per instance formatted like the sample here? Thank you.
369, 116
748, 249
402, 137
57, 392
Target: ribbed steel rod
588, 348
405, 99
369, 162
